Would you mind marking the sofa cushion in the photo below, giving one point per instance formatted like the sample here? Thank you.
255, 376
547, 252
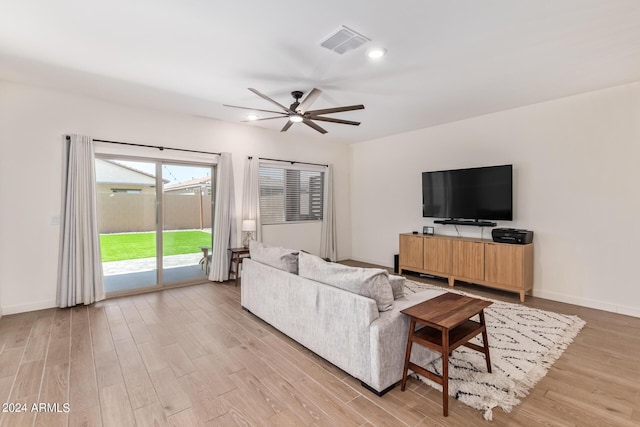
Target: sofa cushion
369, 282
397, 286
277, 257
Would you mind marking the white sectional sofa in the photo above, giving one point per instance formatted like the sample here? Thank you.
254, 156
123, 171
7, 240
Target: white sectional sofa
343, 327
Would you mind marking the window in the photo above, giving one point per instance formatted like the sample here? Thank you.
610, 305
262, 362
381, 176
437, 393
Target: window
290, 195
126, 190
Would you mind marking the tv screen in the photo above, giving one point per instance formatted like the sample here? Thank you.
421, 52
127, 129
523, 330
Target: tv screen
477, 193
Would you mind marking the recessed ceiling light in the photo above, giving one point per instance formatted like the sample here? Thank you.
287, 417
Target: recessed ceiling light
377, 53
296, 118
252, 117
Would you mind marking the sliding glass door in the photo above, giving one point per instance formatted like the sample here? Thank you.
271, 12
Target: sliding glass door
155, 220
126, 200
186, 222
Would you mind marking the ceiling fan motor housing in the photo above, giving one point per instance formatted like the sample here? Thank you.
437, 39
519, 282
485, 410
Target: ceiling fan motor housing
296, 95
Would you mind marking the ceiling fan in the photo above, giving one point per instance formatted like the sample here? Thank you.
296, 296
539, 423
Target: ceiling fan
299, 111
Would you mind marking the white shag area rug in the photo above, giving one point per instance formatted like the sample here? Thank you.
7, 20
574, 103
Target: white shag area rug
523, 343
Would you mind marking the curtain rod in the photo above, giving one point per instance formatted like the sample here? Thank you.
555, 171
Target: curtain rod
290, 161
151, 146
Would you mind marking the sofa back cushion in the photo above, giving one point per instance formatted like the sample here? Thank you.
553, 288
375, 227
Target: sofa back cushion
397, 286
280, 258
369, 282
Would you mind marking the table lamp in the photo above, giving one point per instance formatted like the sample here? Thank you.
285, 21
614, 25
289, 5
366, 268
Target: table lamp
248, 227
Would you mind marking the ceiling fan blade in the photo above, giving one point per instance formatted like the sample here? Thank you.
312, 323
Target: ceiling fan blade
313, 125
310, 99
265, 97
252, 109
335, 110
332, 120
286, 126
284, 116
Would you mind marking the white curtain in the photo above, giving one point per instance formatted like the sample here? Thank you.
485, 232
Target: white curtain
80, 278
328, 240
251, 194
225, 221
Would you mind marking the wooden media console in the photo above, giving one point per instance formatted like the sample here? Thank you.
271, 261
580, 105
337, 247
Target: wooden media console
480, 261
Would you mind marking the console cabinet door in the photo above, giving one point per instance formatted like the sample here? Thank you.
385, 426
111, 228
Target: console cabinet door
437, 255
468, 259
411, 248
507, 264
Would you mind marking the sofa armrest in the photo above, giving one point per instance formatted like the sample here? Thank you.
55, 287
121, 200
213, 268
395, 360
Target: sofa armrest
389, 335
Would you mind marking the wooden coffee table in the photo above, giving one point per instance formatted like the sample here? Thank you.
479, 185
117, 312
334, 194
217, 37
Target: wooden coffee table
447, 327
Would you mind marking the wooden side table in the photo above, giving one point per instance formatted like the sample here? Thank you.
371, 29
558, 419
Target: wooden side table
447, 327
237, 255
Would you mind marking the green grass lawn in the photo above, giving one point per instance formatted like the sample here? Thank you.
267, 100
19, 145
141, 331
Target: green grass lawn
118, 247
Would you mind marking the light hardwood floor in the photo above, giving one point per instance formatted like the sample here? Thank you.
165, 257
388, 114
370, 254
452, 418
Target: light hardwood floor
191, 356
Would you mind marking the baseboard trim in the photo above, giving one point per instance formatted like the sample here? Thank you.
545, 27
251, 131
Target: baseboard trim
373, 261
590, 303
32, 306
629, 311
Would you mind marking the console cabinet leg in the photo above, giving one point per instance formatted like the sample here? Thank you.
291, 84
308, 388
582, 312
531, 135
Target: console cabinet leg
452, 281
522, 296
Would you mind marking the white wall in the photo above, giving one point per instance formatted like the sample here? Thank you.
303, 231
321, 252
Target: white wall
32, 122
577, 177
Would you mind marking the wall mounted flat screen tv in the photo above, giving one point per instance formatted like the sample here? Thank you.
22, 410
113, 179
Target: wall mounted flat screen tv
484, 193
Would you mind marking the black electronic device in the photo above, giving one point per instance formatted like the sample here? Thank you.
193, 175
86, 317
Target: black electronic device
512, 235
484, 193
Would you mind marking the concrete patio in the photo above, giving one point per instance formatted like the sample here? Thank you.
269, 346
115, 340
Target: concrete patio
139, 273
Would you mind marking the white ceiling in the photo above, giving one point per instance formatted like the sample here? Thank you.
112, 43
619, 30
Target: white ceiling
446, 61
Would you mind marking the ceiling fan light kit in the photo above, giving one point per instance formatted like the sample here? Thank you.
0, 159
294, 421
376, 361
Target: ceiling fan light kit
299, 111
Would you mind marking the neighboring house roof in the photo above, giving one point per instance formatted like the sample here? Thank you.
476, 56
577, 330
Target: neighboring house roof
191, 183
110, 172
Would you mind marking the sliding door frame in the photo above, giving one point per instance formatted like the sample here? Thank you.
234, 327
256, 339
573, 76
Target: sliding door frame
159, 227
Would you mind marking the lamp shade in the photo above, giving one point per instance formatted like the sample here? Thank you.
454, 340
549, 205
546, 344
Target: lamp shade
248, 225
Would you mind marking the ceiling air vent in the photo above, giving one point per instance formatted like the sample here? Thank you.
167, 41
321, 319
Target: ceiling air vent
343, 40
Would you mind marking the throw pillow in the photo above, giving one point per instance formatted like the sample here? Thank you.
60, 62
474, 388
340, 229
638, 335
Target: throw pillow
277, 257
397, 286
369, 282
